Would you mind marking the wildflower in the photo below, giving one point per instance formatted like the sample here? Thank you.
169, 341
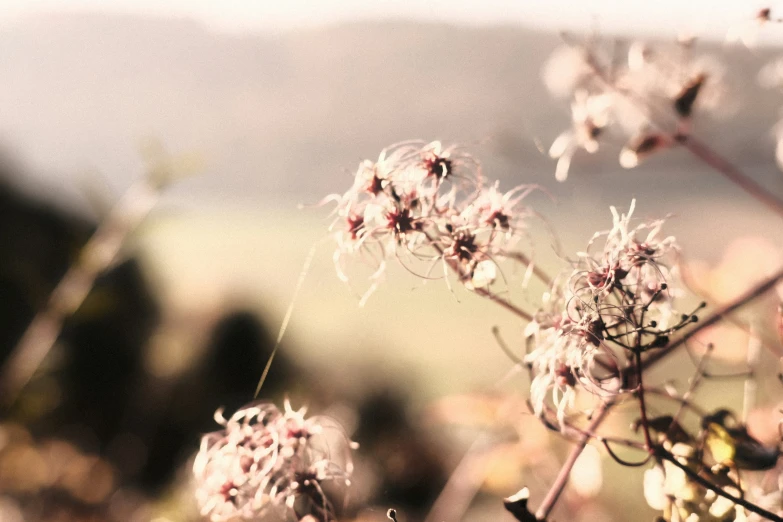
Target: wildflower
616, 298
557, 356
634, 261
589, 118
264, 461
464, 249
623, 245
427, 203
502, 211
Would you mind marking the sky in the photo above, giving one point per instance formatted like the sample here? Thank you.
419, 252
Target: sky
702, 17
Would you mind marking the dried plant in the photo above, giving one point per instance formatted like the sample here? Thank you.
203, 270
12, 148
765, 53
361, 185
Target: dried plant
269, 461
617, 311
425, 205
613, 314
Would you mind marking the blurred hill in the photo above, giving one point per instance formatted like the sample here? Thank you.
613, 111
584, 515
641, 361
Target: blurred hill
289, 114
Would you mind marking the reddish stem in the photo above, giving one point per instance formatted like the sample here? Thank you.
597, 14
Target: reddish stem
730, 171
642, 405
508, 305
562, 477
716, 316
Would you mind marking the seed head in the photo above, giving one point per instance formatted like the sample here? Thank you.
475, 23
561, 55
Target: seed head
265, 460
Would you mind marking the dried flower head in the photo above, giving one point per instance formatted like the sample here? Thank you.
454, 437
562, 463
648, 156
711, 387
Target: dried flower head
671, 77
422, 204
633, 271
653, 98
269, 461
617, 301
556, 359
643, 145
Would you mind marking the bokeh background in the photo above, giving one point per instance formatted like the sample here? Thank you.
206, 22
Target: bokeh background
274, 106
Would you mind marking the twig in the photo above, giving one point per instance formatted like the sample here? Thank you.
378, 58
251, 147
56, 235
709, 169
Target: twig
690, 283
642, 403
525, 260
562, 477
715, 317
660, 452
700, 373
508, 305
730, 171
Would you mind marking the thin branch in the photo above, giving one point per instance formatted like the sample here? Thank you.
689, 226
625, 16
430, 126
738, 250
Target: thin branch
525, 260
715, 317
730, 171
642, 403
698, 149
621, 461
690, 283
700, 374
562, 477
508, 305
660, 452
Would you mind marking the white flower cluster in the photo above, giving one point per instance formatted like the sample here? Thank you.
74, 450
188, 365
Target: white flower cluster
423, 203
633, 271
616, 302
269, 461
649, 101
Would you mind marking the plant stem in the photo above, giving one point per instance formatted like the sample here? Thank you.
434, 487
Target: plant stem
525, 260
713, 318
697, 148
642, 404
730, 171
562, 477
505, 303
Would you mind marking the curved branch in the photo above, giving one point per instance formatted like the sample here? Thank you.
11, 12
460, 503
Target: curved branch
661, 453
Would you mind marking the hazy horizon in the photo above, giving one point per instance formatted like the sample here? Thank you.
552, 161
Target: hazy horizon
702, 18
